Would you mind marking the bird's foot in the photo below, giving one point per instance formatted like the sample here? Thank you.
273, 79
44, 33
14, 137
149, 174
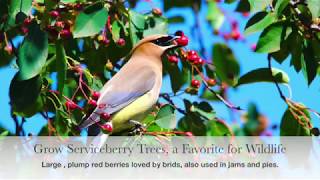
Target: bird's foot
138, 128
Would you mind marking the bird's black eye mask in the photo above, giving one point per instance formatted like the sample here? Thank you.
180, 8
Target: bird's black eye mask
164, 41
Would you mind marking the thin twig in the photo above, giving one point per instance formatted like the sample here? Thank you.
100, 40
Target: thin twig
229, 105
166, 97
274, 80
16, 122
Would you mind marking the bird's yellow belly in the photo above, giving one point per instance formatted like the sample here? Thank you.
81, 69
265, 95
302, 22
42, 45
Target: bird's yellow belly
137, 110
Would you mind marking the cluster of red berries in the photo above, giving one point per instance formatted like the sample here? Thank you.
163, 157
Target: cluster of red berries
194, 58
182, 40
24, 28
92, 102
234, 34
196, 83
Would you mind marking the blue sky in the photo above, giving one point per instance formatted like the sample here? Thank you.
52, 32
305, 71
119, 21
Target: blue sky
264, 95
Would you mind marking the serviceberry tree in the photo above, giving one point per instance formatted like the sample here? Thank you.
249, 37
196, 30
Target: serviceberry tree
70, 48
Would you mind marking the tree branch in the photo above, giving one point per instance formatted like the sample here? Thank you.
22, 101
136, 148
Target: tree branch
166, 97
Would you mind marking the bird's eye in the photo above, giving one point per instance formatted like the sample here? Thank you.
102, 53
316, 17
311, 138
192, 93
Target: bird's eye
163, 41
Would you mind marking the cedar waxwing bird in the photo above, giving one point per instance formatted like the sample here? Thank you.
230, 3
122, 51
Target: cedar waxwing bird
131, 93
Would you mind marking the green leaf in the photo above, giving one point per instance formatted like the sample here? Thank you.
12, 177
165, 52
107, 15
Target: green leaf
227, 67
310, 63
305, 14
270, 39
116, 30
243, 6
61, 65
229, 1
314, 7
24, 95
280, 6
214, 15
33, 52
204, 109
255, 123
155, 25
291, 127
259, 5
295, 44
166, 117
208, 95
178, 76
136, 26
258, 22
89, 24
218, 128
283, 52
61, 124
15, 7
4, 133
192, 123
4, 7
176, 19
168, 4
264, 75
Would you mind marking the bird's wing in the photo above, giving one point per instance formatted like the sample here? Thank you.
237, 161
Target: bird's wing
121, 91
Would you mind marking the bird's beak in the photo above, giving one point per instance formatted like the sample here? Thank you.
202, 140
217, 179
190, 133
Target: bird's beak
172, 42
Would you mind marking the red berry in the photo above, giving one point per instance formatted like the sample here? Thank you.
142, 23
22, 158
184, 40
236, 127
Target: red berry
173, 59
52, 31
105, 116
246, 14
95, 95
121, 42
193, 58
78, 6
211, 82
179, 33
92, 103
182, 41
199, 61
106, 41
192, 52
188, 134
195, 83
54, 14
24, 30
226, 36
157, 11
71, 105
65, 33
253, 47
8, 49
235, 35
27, 21
107, 127
59, 24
